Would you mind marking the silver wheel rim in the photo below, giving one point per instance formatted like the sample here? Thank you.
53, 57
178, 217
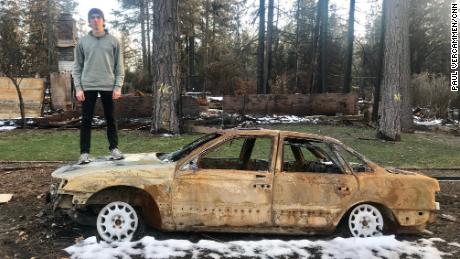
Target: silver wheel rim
117, 221
365, 221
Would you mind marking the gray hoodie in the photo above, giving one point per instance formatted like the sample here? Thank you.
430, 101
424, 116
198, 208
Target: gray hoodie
98, 63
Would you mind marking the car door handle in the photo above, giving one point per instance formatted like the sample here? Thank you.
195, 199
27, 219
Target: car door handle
262, 185
344, 190
261, 176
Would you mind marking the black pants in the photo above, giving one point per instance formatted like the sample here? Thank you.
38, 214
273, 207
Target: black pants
87, 118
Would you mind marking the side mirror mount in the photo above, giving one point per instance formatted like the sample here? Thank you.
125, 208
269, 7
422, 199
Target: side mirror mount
191, 165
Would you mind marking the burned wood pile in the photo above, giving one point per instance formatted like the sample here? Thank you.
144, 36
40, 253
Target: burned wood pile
293, 104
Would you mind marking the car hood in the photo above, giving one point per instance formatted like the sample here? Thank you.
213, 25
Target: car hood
101, 165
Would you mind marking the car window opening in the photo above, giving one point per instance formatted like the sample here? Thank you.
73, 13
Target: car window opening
307, 155
355, 161
248, 153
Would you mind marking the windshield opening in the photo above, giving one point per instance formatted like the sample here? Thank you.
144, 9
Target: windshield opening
187, 149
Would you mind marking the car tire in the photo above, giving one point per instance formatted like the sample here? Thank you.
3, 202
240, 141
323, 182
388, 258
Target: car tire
119, 221
365, 220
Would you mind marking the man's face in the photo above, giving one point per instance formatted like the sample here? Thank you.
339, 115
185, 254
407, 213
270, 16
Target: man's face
96, 22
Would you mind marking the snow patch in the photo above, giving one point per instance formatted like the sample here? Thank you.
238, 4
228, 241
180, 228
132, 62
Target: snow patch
7, 128
337, 248
283, 119
215, 98
7, 125
454, 244
432, 122
429, 122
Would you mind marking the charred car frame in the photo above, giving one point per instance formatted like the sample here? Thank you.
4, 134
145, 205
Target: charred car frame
247, 180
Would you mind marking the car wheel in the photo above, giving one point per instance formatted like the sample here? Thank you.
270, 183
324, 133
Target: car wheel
119, 221
365, 220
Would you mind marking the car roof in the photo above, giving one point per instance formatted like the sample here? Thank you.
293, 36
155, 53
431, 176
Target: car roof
262, 131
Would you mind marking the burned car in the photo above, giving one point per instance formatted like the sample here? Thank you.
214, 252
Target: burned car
247, 180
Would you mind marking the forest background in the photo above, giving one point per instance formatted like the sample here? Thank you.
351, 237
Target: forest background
239, 47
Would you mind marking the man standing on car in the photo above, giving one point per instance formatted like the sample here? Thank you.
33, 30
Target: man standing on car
98, 69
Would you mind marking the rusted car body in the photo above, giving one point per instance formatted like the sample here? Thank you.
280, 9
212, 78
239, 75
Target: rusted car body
251, 180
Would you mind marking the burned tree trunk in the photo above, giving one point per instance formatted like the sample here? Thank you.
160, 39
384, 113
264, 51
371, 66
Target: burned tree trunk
297, 46
191, 62
268, 48
406, 92
350, 37
323, 12
166, 76
143, 35
314, 60
21, 100
395, 71
190, 50
378, 80
261, 48
149, 53
205, 39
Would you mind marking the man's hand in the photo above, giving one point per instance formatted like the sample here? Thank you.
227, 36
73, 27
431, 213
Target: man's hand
116, 93
80, 95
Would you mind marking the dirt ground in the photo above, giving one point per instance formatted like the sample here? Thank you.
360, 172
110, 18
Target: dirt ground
28, 228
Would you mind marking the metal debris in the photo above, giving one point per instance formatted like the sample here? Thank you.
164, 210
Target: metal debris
448, 217
6, 197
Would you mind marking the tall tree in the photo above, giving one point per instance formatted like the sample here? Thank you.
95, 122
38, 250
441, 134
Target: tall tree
14, 58
407, 121
380, 58
297, 43
304, 44
166, 76
190, 17
261, 49
134, 17
315, 58
350, 38
143, 18
396, 74
268, 49
129, 52
206, 39
148, 42
211, 56
429, 36
41, 16
324, 14
39, 23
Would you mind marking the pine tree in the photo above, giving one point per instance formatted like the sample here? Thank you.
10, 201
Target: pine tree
166, 76
396, 69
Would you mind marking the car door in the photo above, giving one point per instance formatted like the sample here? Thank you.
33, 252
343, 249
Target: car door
228, 184
311, 187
